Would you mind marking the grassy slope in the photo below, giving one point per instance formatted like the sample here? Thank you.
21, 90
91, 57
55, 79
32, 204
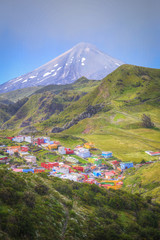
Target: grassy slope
19, 94
41, 104
34, 206
82, 84
127, 93
129, 90
144, 180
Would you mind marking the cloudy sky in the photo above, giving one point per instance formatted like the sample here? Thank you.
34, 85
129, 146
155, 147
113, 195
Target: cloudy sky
32, 32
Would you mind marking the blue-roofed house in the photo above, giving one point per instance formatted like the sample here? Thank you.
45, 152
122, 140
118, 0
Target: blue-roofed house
107, 154
126, 165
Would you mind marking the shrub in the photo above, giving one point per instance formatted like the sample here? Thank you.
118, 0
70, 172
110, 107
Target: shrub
29, 199
146, 121
41, 189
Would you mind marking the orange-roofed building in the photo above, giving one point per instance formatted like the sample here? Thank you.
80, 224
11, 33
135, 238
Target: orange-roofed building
89, 145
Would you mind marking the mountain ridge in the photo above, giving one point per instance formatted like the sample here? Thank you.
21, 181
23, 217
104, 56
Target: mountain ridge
82, 60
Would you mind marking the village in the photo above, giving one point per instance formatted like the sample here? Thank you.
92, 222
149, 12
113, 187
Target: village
84, 163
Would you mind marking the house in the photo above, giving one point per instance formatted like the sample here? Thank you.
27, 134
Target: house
153, 153
126, 165
69, 151
89, 145
83, 153
71, 159
107, 154
39, 170
56, 142
96, 174
90, 181
45, 145
63, 170
52, 146
115, 164
28, 139
22, 154
78, 168
30, 159
109, 174
62, 150
12, 149
17, 170
18, 139
50, 165
2, 157
46, 139
24, 149
10, 138
40, 141
28, 170
72, 177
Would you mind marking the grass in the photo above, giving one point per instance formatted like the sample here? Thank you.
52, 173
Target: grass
144, 180
125, 145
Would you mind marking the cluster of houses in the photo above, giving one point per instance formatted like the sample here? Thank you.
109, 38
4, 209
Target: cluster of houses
95, 170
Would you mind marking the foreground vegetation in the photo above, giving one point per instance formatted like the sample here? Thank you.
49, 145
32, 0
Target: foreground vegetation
39, 207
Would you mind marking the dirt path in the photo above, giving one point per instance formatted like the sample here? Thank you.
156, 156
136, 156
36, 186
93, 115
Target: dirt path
65, 223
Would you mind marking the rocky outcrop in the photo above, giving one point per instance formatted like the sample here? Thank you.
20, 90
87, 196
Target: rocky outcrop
28, 130
90, 111
27, 122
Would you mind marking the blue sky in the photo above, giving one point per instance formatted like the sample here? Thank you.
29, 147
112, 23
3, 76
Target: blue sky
33, 32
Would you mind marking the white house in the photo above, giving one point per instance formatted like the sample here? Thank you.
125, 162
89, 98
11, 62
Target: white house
83, 152
28, 139
62, 150
30, 159
18, 139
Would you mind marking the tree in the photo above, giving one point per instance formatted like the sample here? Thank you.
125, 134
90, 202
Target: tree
143, 161
146, 121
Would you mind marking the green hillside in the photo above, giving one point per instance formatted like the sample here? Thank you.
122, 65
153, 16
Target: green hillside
124, 95
129, 90
19, 94
48, 101
82, 84
34, 206
144, 180
8, 108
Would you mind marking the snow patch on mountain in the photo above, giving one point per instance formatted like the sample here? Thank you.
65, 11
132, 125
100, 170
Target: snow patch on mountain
82, 60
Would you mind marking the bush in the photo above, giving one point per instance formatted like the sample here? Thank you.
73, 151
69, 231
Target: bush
146, 121
29, 199
41, 189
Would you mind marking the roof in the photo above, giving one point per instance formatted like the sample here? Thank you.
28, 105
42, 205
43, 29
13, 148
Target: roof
106, 152
126, 162
2, 156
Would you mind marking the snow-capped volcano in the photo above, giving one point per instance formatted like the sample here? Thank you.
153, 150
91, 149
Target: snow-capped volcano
82, 60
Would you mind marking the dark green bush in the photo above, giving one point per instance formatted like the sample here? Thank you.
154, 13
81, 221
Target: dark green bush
41, 189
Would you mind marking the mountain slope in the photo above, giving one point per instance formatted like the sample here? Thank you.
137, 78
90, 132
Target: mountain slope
144, 180
49, 100
34, 206
8, 108
82, 60
19, 94
128, 89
